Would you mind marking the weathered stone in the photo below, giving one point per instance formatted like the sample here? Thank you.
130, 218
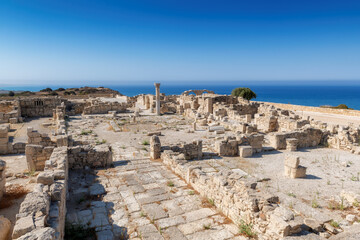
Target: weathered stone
5, 226
46, 178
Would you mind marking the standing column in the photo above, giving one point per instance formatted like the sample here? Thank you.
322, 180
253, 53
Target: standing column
157, 85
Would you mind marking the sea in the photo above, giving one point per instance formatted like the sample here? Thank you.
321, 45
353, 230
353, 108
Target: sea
308, 95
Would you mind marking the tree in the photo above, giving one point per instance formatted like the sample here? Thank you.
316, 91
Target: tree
11, 94
245, 93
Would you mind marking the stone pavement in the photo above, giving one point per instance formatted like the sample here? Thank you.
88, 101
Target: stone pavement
145, 200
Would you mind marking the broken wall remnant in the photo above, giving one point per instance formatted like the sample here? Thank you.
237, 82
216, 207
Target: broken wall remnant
291, 144
235, 194
96, 106
292, 167
42, 213
155, 147
10, 112
308, 137
90, 156
38, 149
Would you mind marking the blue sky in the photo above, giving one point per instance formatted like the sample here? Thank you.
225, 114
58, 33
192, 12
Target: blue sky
57, 42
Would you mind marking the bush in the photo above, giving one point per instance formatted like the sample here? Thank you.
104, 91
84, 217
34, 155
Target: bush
46, 90
60, 89
246, 229
11, 94
340, 106
53, 94
245, 93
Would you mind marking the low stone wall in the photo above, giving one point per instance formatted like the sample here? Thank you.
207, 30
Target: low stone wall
42, 213
307, 137
235, 194
36, 155
98, 107
10, 112
316, 109
231, 146
38, 149
7, 147
98, 156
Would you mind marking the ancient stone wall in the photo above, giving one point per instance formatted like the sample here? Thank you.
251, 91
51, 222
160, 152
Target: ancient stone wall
42, 213
38, 149
39, 107
99, 107
307, 137
59, 119
10, 112
90, 156
6, 146
234, 193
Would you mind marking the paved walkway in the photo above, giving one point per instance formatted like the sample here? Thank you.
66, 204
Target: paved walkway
145, 200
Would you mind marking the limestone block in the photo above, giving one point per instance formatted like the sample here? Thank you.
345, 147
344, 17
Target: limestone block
291, 144
155, 147
13, 120
300, 172
40, 234
23, 226
3, 130
216, 128
292, 161
245, 151
5, 225
46, 178
154, 133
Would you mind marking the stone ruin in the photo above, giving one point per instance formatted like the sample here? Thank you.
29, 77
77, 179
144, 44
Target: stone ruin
238, 128
292, 167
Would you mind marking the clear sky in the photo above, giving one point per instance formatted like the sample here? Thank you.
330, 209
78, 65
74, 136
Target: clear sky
133, 41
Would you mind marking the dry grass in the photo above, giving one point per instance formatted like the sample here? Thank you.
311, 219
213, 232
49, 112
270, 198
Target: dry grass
110, 128
13, 192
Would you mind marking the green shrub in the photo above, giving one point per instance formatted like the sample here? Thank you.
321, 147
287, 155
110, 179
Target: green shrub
245, 93
246, 229
46, 90
11, 94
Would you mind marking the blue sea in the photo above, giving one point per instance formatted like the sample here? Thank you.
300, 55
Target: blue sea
301, 95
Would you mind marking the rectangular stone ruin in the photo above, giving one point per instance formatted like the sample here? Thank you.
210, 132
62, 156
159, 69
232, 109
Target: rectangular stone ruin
90, 156
245, 151
292, 167
42, 213
291, 144
308, 137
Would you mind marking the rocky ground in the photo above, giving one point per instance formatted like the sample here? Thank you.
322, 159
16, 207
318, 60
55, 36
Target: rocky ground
146, 200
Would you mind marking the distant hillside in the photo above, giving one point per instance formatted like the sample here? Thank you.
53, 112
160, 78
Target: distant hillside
83, 91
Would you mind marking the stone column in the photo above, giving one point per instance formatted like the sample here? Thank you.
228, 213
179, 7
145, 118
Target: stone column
155, 147
157, 86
